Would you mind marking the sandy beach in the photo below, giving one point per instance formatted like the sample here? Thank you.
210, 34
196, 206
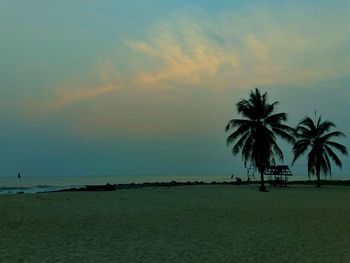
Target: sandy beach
212, 223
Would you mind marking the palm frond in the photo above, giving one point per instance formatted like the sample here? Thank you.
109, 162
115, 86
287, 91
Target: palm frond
308, 124
271, 108
311, 163
275, 118
299, 148
247, 151
333, 156
339, 147
330, 135
328, 163
324, 126
285, 128
236, 123
238, 132
302, 132
238, 146
278, 151
284, 135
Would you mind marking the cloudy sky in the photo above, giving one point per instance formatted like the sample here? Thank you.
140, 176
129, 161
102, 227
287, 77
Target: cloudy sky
146, 86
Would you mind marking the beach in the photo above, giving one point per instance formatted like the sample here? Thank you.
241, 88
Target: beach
202, 223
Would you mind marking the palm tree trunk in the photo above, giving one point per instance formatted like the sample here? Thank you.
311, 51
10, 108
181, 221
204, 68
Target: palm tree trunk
318, 170
262, 187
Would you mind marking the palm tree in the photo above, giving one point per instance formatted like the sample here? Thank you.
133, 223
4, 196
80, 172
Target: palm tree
317, 138
255, 135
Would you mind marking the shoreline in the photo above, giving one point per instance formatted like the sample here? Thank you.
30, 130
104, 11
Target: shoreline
114, 187
121, 186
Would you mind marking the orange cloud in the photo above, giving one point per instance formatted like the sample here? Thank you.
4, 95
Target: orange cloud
83, 94
183, 55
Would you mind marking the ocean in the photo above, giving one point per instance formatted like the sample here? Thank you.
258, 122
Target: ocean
36, 184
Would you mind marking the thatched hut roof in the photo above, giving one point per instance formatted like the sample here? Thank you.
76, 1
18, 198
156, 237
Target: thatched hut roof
278, 170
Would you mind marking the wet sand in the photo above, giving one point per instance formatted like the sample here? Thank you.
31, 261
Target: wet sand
208, 223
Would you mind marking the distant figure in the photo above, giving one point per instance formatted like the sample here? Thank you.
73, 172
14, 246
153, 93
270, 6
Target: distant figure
19, 179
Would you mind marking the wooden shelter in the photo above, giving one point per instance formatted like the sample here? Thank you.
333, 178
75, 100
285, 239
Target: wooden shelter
278, 174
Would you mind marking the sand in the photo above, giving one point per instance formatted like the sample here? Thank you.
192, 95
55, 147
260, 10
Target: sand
212, 223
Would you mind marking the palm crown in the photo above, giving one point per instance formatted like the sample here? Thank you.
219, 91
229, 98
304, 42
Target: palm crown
317, 138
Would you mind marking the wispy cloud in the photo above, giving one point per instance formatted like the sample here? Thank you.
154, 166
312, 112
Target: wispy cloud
194, 49
211, 53
201, 51
83, 94
184, 52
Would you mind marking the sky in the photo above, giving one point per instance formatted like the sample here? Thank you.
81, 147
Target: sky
146, 87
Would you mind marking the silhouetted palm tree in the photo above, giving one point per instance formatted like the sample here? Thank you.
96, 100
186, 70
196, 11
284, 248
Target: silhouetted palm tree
314, 136
255, 135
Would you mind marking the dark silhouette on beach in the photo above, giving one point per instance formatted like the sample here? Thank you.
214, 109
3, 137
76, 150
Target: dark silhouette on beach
19, 180
316, 137
255, 135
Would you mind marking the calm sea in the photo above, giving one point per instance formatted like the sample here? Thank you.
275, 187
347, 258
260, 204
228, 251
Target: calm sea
12, 185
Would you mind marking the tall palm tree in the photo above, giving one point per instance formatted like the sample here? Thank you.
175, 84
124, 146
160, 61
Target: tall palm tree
317, 138
255, 135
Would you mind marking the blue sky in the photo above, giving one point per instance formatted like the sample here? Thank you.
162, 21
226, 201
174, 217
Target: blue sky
146, 87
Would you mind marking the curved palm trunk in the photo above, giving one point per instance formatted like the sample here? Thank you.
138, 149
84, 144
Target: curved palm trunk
318, 171
261, 168
262, 187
